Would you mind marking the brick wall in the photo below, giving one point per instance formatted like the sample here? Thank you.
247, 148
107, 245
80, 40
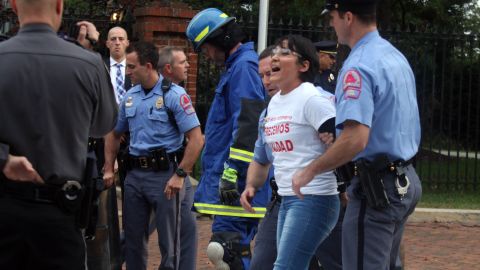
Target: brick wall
165, 24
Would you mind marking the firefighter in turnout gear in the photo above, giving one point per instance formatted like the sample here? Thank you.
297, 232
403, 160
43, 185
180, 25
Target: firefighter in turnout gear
229, 138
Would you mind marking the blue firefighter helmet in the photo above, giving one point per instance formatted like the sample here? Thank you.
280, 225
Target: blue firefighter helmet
204, 24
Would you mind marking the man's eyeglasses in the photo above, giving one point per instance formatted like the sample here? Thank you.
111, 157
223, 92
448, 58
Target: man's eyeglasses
279, 51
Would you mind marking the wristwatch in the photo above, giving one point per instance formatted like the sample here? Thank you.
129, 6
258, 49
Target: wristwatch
180, 172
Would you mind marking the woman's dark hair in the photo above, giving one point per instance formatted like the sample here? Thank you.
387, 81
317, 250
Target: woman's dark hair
305, 48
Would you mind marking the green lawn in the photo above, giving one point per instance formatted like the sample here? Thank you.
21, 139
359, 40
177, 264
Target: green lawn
458, 174
449, 182
454, 200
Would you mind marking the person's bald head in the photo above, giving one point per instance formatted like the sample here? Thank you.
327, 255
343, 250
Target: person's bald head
117, 43
39, 11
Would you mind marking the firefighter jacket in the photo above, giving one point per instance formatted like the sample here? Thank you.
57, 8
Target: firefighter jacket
230, 134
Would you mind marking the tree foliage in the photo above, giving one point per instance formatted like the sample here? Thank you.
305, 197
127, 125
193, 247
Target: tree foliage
445, 15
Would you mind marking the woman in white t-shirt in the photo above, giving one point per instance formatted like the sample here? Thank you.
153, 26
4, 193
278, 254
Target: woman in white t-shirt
295, 116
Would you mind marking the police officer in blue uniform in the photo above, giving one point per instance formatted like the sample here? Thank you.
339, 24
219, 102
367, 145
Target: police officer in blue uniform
326, 78
157, 114
377, 113
229, 138
259, 171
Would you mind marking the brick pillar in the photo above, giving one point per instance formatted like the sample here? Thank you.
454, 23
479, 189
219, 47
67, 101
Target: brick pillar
165, 24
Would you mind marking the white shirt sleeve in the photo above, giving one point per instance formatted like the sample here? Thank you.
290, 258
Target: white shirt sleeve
318, 109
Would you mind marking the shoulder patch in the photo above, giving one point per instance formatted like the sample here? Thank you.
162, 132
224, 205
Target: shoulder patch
186, 104
352, 84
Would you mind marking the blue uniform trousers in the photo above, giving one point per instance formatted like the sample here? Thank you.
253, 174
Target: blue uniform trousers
371, 238
188, 231
246, 227
265, 249
144, 192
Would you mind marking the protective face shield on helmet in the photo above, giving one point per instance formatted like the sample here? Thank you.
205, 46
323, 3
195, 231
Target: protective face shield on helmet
204, 24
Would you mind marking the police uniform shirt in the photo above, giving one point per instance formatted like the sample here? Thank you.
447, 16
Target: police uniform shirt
326, 80
146, 117
291, 131
54, 94
377, 89
262, 153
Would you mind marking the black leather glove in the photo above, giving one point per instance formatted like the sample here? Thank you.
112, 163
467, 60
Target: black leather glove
228, 187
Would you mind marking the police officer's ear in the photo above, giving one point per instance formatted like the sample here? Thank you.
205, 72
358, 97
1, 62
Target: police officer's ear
168, 69
348, 17
149, 65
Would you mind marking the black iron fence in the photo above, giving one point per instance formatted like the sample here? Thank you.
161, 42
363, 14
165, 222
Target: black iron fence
447, 72
446, 67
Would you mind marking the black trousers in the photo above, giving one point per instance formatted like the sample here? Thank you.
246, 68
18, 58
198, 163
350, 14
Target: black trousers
38, 236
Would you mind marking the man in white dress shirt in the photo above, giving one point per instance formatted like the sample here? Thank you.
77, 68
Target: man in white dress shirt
117, 43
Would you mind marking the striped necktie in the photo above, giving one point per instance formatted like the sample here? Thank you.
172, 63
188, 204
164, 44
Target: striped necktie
119, 79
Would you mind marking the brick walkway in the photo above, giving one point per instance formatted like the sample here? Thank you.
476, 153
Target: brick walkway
428, 246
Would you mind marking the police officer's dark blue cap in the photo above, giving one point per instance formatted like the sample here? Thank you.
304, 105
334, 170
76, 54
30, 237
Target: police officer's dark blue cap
326, 46
354, 6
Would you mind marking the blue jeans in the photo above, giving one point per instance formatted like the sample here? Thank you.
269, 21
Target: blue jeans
302, 226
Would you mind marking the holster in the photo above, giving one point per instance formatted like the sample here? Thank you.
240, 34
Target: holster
162, 160
371, 181
345, 173
92, 188
178, 155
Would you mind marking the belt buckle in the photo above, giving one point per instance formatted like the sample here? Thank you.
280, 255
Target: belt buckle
143, 162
